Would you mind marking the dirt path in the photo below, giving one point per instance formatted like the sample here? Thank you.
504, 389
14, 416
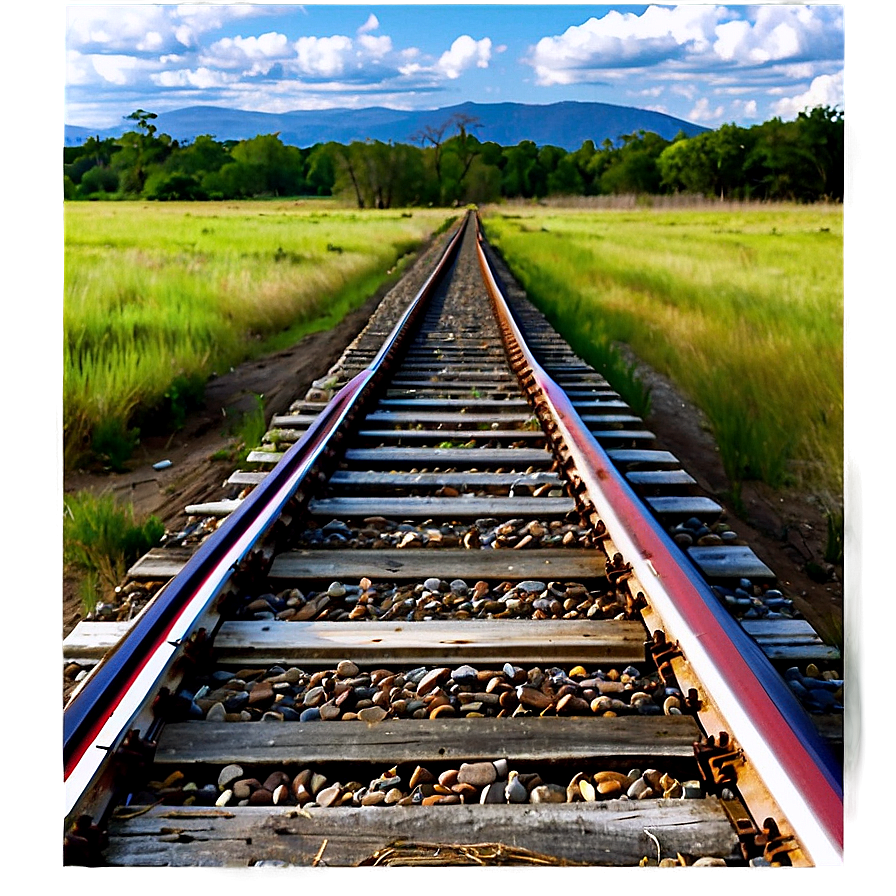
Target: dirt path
193, 475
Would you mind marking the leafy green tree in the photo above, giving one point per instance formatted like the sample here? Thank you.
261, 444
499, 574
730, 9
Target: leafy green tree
175, 186
204, 154
277, 168
139, 151
98, 180
321, 169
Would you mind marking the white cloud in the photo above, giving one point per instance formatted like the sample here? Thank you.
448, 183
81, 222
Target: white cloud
323, 56
825, 90
202, 77
252, 55
703, 112
118, 70
779, 33
78, 70
377, 47
693, 38
371, 24
464, 53
623, 40
148, 28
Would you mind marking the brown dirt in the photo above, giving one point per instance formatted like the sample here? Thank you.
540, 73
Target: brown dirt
786, 530
193, 475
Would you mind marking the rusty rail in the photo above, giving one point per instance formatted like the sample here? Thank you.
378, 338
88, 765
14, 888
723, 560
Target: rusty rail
99, 716
744, 695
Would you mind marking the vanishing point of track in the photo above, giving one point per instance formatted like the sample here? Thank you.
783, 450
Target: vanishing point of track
464, 610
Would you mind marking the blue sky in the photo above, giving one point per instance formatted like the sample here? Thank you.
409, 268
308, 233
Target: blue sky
699, 62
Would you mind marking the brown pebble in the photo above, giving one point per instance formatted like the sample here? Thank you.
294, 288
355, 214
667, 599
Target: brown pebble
533, 698
244, 788
274, 780
476, 773
372, 714
570, 705
329, 795
261, 694
421, 775
260, 797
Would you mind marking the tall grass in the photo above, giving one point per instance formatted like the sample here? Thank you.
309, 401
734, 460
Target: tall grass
742, 308
101, 538
156, 294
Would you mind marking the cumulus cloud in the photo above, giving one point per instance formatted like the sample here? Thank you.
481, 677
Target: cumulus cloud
464, 53
323, 57
825, 90
251, 55
688, 38
781, 33
623, 40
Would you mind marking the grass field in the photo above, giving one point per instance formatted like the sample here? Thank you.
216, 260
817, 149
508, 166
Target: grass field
158, 296
742, 309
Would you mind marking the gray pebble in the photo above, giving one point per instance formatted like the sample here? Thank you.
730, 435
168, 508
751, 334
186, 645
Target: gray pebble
228, 775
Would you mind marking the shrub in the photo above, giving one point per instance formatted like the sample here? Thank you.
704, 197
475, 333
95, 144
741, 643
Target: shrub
101, 539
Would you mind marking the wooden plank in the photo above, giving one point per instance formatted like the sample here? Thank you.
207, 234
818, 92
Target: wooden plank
461, 480
245, 477
660, 477
294, 419
800, 653
610, 419
92, 640
543, 564
161, 563
451, 457
437, 642
684, 506
587, 405
729, 562
642, 456
481, 404
781, 631
214, 508
442, 508
398, 388
444, 435
264, 457
415, 417
497, 381
608, 833
623, 435
394, 741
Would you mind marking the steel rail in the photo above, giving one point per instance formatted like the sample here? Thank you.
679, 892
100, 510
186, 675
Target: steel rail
762, 713
100, 713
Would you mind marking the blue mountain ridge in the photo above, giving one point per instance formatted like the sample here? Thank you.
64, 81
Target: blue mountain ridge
566, 124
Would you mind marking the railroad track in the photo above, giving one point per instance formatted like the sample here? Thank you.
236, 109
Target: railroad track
467, 612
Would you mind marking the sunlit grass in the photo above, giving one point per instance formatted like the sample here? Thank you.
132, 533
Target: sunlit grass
742, 309
157, 292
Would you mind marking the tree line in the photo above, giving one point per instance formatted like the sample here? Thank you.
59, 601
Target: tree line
800, 160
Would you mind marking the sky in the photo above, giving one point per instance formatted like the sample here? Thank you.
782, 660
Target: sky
702, 63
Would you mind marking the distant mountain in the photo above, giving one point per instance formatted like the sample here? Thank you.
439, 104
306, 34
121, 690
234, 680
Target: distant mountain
560, 124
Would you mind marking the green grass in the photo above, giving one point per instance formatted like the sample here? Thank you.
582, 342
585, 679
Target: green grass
742, 309
101, 539
157, 297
